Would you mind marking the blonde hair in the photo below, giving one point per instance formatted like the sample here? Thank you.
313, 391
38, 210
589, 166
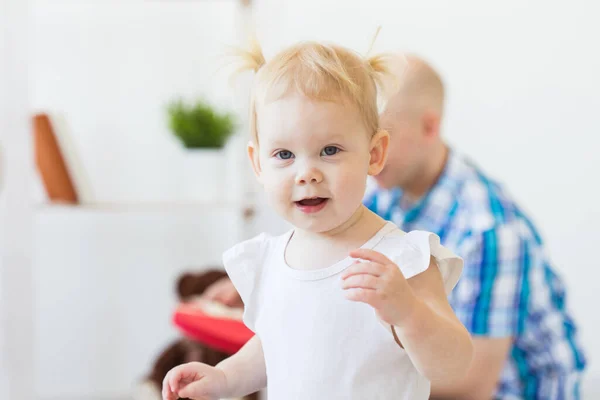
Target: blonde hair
321, 72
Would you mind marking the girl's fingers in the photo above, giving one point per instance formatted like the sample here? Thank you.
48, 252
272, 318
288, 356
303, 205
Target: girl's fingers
371, 268
361, 295
370, 255
360, 281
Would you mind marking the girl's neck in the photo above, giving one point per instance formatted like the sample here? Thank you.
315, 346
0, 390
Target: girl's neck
310, 250
361, 226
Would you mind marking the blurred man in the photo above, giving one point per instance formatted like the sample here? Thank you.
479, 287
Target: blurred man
508, 297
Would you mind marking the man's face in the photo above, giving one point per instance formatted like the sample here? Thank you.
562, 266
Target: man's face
407, 144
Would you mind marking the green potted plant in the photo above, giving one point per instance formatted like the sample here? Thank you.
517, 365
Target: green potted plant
203, 131
199, 125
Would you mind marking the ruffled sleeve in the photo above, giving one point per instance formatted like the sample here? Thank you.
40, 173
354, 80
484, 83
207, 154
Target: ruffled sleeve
243, 263
424, 245
412, 252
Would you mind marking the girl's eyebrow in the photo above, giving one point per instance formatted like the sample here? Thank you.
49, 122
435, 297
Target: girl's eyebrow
330, 137
279, 142
326, 137
339, 138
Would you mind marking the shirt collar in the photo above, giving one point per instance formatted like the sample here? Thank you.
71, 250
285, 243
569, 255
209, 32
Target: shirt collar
445, 189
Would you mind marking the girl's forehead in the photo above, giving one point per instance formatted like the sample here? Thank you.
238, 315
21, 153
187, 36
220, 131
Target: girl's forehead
298, 110
321, 124
296, 117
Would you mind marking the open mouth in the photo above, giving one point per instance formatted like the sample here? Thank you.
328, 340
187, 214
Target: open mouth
315, 201
313, 204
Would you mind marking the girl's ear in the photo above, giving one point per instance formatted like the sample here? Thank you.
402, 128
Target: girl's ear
254, 160
380, 143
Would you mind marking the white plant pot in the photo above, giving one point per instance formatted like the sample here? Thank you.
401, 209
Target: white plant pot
203, 175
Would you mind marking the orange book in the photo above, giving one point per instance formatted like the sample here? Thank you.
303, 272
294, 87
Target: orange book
50, 162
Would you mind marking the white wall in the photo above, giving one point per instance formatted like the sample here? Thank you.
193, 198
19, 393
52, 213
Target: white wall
16, 301
521, 76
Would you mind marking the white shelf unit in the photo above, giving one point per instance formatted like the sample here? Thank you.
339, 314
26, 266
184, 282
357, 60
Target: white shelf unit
104, 280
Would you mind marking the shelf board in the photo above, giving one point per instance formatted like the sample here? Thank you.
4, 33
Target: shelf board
144, 207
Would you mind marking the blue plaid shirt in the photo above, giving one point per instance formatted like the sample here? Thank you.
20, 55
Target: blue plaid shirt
508, 288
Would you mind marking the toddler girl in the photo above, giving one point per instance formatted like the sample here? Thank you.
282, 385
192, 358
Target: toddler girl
345, 305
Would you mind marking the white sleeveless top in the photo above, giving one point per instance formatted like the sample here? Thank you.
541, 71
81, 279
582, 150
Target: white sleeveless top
317, 344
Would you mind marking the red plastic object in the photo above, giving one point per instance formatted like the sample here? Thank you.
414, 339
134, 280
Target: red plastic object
223, 334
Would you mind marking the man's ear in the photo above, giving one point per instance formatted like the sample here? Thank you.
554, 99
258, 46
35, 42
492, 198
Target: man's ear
254, 160
380, 144
431, 124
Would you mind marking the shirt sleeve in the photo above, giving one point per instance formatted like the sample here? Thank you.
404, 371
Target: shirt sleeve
425, 245
243, 263
491, 299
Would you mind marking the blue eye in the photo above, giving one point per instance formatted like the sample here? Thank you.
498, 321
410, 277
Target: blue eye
284, 155
330, 151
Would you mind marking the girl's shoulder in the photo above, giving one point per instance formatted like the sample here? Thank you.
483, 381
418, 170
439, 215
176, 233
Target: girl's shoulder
244, 263
252, 248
